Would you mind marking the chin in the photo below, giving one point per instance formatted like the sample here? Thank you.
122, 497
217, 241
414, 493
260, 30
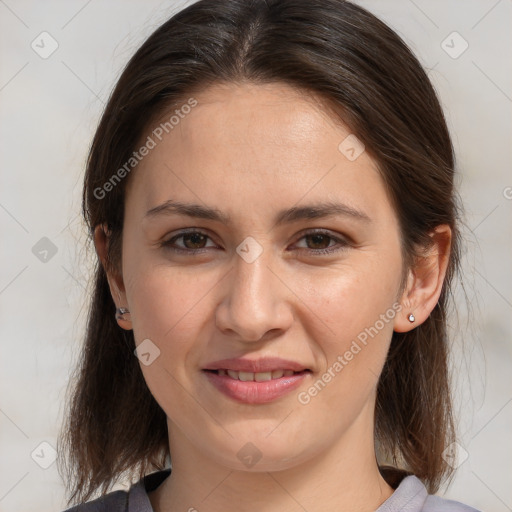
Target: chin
259, 455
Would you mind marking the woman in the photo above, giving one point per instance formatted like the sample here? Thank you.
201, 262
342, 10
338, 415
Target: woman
270, 195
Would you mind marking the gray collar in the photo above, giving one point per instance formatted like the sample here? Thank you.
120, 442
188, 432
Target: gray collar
409, 496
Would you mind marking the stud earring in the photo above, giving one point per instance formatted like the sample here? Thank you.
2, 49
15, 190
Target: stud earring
120, 312
411, 318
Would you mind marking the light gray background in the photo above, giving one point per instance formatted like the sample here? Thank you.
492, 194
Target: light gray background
49, 109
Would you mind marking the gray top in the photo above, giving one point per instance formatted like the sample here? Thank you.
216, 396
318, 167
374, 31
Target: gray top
410, 496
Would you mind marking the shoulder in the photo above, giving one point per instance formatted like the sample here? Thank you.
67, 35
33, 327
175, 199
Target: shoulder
116, 501
133, 500
411, 495
437, 504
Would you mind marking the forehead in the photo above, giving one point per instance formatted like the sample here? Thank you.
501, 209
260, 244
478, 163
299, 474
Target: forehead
258, 115
262, 143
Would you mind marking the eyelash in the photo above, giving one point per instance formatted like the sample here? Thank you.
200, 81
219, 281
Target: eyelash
167, 244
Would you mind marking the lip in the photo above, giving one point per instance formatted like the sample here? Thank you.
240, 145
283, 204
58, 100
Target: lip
265, 364
253, 392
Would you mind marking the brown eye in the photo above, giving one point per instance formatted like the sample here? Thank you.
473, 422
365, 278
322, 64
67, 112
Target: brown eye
322, 243
194, 240
189, 242
318, 241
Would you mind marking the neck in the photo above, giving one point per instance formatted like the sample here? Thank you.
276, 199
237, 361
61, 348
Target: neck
343, 477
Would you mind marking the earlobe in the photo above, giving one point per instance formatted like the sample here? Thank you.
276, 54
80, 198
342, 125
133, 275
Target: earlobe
115, 282
425, 281
123, 315
405, 320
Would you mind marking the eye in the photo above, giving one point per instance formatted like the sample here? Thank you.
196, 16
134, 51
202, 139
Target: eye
192, 241
323, 242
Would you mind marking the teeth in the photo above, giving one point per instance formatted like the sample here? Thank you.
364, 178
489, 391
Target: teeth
258, 377
233, 374
245, 376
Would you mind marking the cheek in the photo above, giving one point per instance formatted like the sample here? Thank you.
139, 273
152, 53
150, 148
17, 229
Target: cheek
170, 308
354, 309
352, 296
169, 302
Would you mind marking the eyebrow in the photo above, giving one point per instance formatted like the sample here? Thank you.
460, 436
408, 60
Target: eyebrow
293, 214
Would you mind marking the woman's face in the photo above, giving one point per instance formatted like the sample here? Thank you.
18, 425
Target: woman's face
292, 252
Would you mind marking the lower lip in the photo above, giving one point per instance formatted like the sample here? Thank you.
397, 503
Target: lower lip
252, 392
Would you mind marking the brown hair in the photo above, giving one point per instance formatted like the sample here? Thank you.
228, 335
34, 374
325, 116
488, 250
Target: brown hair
363, 70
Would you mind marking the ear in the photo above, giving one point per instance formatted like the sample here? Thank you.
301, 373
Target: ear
425, 280
115, 281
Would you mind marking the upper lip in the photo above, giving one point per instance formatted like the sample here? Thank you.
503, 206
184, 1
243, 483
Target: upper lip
265, 364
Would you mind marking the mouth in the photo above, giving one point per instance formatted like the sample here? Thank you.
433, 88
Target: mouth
256, 376
256, 381
255, 387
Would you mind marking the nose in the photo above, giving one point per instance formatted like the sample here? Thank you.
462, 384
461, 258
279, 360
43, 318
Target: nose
256, 303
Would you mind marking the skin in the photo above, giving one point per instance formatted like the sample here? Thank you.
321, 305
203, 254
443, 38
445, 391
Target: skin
251, 151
